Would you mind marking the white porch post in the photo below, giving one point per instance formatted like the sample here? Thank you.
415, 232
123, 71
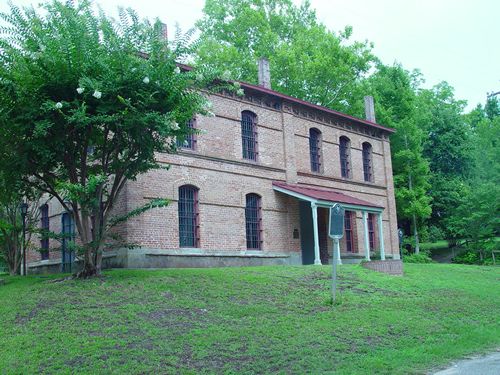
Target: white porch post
367, 239
381, 236
314, 208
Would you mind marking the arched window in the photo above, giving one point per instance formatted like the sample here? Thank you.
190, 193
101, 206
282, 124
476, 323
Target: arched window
189, 227
249, 135
367, 162
45, 226
253, 221
345, 157
315, 149
189, 142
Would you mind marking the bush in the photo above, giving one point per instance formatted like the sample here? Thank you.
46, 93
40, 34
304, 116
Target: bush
467, 257
417, 258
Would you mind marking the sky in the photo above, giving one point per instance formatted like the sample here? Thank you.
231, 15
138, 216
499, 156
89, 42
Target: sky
457, 41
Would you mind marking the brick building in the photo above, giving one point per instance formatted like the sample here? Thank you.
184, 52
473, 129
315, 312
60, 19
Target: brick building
255, 188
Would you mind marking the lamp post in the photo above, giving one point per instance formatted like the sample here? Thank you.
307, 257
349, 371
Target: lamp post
24, 211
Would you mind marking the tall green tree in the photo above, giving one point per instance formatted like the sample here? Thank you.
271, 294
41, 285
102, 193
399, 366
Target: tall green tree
477, 216
394, 91
306, 59
85, 104
447, 147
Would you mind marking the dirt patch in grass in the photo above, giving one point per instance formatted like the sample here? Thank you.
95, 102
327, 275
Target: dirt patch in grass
33, 313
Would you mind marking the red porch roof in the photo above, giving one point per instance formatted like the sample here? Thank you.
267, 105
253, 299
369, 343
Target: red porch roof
323, 194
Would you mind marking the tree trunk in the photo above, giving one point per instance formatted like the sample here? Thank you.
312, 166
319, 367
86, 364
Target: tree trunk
89, 269
415, 233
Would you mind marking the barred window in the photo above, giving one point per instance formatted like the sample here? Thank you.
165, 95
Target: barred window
253, 220
68, 232
348, 229
371, 230
367, 162
44, 225
189, 142
345, 157
249, 135
315, 149
188, 217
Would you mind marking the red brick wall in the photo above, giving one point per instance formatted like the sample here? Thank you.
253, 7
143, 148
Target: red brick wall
224, 178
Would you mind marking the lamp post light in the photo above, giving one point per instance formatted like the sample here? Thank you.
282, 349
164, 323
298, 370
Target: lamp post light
24, 211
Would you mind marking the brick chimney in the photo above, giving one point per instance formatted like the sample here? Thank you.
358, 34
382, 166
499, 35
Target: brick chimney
264, 73
369, 108
164, 31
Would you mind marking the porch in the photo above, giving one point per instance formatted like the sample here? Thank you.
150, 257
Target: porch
314, 204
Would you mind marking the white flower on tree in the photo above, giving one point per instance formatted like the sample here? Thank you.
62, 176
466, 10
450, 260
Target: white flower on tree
59, 105
80, 90
177, 70
146, 80
97, 94
226, 76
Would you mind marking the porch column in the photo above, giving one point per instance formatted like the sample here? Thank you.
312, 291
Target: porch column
381, 236
314, 208
367, 239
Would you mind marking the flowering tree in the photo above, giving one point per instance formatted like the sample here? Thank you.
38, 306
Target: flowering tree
85, 103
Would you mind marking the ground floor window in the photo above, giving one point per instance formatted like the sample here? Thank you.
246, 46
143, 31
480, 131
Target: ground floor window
371, 230
44, 225
253, 219
188, 216
349, 232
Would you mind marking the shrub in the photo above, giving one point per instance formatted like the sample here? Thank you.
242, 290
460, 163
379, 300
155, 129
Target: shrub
467, 257
417, 258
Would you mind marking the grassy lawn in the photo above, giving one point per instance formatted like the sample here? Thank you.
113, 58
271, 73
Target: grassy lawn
249, 320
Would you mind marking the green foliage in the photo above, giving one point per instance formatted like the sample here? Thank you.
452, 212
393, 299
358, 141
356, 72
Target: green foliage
417, 258
87, 102
467, 257
477, 216
393, 89
306, 59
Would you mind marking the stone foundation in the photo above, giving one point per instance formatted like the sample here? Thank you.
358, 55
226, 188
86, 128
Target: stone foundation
391, 267
158, 258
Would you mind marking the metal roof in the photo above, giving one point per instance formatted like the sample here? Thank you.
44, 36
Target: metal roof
328, 195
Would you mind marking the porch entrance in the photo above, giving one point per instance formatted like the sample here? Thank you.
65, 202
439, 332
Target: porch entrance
314, 204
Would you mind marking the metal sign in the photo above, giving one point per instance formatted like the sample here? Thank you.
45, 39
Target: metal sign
336, 227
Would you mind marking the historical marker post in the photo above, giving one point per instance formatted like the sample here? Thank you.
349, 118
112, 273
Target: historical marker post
336, 232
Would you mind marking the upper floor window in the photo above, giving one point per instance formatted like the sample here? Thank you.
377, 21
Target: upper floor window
367, 162
345, 157
249, 135
189, 227
44, 225
315, 149
189, 142
253, 222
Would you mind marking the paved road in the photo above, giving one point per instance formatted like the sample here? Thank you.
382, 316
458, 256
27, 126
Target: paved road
487, 365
